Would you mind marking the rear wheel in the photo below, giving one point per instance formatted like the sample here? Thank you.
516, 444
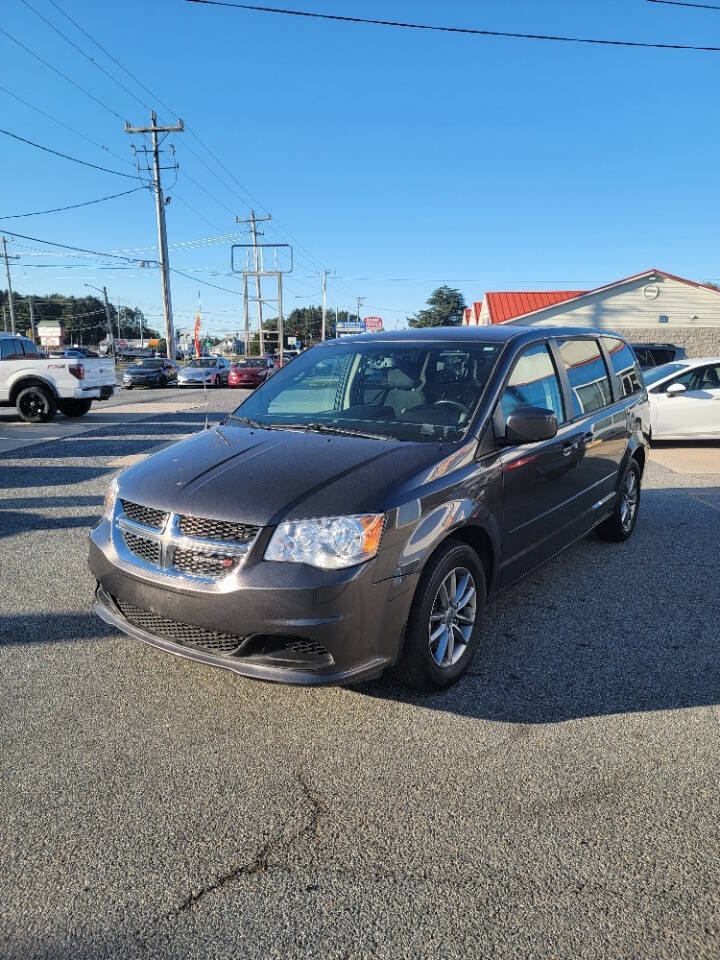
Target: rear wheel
74, 408
36, 404
621, 522
446, 619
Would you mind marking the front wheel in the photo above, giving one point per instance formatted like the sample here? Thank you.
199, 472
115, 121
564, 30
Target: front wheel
620, 524
74, 408
36, 404
446, 619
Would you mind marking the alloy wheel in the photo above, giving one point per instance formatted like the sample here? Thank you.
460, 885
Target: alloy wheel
629, 501
452, 617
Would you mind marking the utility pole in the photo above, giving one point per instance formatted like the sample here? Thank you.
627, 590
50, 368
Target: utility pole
4, 320
360, 301
109, 324
324, 303
154, 130
10, 293
32, 318
258, 266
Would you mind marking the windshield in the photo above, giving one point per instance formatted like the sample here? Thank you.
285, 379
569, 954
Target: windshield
202, 362
150, 364
406, 391
666, 370
252, 362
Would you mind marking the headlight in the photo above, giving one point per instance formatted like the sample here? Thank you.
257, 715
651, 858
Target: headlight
110, 498
329, 543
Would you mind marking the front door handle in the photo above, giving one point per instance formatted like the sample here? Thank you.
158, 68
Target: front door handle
569, 448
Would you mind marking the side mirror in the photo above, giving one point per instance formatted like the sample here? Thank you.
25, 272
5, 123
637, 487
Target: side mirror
675, 389
530, 425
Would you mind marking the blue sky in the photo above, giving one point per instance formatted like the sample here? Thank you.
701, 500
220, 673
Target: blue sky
399, 159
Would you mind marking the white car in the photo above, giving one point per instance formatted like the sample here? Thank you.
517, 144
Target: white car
39, 386
685, 400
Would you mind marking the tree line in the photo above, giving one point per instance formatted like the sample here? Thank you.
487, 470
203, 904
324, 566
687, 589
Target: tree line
82, 317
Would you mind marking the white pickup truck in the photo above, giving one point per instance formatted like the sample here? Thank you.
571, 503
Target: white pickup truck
38, 386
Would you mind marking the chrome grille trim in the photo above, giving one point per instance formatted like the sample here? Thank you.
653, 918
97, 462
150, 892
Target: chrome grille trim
138, 545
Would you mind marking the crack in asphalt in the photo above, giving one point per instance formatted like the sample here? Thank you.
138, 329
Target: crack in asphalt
277, 841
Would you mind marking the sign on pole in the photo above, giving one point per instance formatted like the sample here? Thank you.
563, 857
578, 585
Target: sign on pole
373, 324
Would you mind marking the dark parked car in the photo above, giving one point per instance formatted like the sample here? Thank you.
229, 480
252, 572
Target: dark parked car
357, 510
150, 372
655, 354
251, 372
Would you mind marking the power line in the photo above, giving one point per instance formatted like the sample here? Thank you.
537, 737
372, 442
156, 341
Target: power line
204, 282
60, 123
72, 206
280, 229
461, 30
680, 3
66, 156
67, 246
86, 55
110, 56
60, 74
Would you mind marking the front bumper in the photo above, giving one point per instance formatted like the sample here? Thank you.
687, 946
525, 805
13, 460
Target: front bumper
141, 381
194, 383
358, 623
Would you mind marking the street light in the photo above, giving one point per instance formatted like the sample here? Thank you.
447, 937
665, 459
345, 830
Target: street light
107, 317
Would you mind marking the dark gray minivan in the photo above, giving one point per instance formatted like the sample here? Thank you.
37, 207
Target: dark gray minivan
357, 510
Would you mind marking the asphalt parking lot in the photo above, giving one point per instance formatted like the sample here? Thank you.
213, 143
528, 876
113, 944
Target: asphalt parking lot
562, 801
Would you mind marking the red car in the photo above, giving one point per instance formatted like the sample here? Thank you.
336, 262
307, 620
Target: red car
251, 372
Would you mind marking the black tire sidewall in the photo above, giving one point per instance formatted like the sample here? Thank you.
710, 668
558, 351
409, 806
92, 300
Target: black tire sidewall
416, 656
50, 404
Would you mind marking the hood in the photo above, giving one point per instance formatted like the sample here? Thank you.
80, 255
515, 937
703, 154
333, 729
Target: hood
263, 476
196, 371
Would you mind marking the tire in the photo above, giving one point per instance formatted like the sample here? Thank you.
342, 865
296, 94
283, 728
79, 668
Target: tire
74, 408
162, 382
128, 387
620, 524
428, 662
36, 404
217, 383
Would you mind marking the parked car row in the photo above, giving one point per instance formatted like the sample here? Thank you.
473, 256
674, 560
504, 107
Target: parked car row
212, 372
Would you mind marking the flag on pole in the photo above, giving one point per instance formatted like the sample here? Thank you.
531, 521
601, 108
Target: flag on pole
198, 323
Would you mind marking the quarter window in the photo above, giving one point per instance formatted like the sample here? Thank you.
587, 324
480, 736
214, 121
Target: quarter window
624, 363
589, 383
533, 383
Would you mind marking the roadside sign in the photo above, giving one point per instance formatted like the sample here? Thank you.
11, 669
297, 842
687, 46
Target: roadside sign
373, 323
349, 327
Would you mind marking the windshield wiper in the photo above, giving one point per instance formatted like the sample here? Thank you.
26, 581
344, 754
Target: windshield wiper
332, 428
249, 422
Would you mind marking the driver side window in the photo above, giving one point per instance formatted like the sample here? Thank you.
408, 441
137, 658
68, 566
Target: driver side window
533, 383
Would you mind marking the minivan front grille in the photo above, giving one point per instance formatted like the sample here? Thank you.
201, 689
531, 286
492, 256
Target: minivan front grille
148, 516
186, 634
180, 545
143, 547
209, 529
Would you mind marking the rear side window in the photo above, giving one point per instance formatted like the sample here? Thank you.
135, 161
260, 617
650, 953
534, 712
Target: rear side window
533, 383
624, 363
29, 348
589, 382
